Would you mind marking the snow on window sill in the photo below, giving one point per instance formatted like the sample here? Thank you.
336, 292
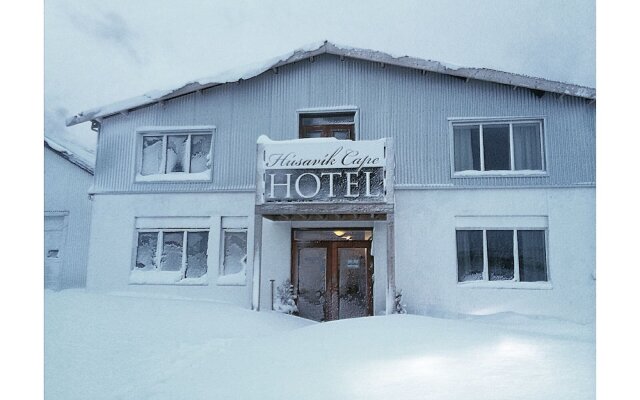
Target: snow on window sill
237, 279
505, 285
203, 176
165, 278
489, 174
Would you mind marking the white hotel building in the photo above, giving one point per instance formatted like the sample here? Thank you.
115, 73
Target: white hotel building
353, 174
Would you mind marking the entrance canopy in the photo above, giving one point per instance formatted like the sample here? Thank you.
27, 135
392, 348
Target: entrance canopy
325, 212
325, 179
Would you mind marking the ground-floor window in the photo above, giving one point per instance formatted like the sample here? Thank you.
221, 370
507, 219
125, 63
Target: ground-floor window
502, 255
233, 252
170, 256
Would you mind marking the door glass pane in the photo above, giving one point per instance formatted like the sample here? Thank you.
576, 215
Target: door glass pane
353, 282
500, 255
497, 156
312, 266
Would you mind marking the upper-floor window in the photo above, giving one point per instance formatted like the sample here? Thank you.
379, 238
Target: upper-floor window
340, 125
496, 147
172, 154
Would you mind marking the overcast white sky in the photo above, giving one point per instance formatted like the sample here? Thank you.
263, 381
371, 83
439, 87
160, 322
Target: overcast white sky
101, 51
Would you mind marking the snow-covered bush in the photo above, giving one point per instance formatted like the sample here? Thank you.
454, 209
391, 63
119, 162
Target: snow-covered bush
399, 307
285, 301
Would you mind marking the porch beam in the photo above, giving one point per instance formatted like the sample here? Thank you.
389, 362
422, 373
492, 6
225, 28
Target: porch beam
323, 208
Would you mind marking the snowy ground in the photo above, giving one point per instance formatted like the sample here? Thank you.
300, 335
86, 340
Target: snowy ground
122, 347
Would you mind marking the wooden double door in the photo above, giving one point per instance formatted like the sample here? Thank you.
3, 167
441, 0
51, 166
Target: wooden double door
333, 278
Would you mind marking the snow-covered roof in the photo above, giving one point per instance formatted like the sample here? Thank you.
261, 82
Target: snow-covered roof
311, 50
72, 157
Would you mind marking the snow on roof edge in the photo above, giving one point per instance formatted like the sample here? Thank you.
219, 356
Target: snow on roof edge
69, 155
313, 49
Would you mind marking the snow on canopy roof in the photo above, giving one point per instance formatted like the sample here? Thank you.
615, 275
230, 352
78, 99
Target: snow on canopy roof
314, 49
72, 157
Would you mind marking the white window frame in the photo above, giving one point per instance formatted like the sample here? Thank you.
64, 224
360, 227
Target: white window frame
232, 224
455, 122
164, 132
157, 273
515, 283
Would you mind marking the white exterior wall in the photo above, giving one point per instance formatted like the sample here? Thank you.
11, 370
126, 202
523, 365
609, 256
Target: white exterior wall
66, 191
426, 260
426, 263
114, 235
113, 238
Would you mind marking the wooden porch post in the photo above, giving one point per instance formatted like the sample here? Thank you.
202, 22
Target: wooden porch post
257, 259
257, 229
391, 268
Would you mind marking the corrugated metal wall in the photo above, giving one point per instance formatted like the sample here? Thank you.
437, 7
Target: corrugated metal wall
393, 102
65, 191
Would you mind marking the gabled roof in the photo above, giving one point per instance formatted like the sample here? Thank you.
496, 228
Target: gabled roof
72, 157
483, 74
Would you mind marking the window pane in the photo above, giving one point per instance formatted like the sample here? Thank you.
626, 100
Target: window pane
200, 153
312, 134
328, 119
532, 256
496, 147
197, 254
235, 252
341, 134
466, 148
172, 251
146, 253
469, 245
151, 155
500, 255
527, 147
176, 150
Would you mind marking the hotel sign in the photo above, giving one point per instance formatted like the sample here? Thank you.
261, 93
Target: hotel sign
322, 170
